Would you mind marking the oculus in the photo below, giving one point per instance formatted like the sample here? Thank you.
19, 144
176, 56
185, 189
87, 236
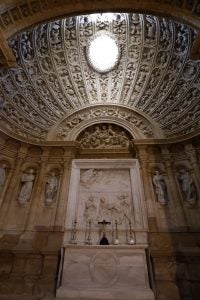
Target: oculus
103, 52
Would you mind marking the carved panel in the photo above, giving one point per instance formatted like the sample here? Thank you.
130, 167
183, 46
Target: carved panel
135, 123
104, 136
107, 190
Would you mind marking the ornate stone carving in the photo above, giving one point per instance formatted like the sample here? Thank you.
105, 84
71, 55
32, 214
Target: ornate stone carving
160, 188
188, 187
112, 203
51, 188
27, 180
153, 75
104, 136
68, 128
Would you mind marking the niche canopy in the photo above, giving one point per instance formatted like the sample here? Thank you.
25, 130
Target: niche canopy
103, 52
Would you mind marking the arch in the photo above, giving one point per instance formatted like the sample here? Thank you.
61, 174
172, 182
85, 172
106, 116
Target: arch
136, 123
134, 132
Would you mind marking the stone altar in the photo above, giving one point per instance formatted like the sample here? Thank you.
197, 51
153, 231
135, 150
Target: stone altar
110, 190
104, 272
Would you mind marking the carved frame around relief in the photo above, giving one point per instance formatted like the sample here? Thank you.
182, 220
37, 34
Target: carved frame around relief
106, 189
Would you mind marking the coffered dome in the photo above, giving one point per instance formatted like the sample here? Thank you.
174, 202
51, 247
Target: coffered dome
152, 86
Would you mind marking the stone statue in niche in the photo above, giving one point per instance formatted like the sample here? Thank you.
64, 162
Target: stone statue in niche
160, 188
2, 175
188, 187
104, 136
51, 188
27, 180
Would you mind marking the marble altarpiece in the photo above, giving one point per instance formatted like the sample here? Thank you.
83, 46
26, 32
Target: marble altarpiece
110, 190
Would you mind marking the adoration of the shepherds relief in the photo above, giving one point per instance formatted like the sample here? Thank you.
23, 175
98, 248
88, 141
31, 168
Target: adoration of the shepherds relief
104, 136
105, 195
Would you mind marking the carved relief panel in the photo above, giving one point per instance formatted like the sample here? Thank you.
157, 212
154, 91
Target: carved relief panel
109, 190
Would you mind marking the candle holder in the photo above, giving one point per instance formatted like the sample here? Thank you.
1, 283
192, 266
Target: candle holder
131, 235
88, 239
116, 242
73, 233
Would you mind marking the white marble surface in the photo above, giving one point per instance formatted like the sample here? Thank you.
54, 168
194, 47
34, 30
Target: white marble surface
104, 272
105, 189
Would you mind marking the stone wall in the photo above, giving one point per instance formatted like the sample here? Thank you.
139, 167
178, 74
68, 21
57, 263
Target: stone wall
31, 233
173, 227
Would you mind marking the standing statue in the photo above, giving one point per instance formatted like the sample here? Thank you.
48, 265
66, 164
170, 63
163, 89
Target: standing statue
187, 186
51, 188
160, 188
27, 180
2, 175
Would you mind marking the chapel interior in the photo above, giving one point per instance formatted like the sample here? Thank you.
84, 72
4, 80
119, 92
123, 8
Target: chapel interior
99, 150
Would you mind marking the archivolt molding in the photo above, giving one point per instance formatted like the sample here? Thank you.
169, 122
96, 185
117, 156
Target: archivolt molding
135, 123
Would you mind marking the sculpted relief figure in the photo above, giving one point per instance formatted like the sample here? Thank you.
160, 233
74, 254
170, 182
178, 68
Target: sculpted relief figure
188, 187
160, 188
90, 212
27, 180
51, 188
125, 207
104, 136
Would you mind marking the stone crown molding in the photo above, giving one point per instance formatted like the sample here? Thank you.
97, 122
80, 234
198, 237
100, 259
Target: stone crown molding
137, 124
